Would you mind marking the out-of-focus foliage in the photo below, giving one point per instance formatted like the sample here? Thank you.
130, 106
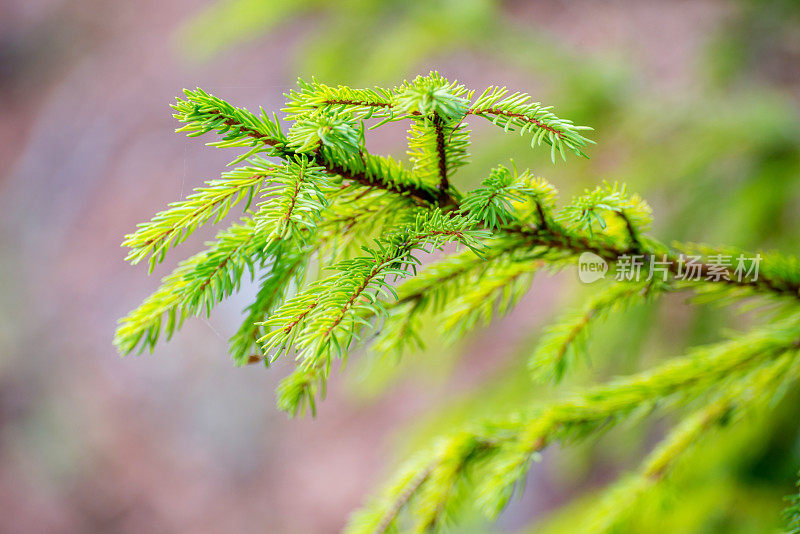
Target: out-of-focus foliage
360, 41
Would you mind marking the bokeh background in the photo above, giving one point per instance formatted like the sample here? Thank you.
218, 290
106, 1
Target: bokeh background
696, 105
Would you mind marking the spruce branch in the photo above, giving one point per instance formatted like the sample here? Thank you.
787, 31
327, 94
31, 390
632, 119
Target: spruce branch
322, 322
171, 227
294, 201
313, 96
503, 450
778, 275
202, 113
371, 171
755, 390
565, 342
500, 289
589, 208
517, 110
336, 241
433, 95
205, 114
432, 289
196, 285
287, 267
333, 131
495, 203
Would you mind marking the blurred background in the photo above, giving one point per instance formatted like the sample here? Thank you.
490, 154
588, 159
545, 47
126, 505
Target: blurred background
696, 105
